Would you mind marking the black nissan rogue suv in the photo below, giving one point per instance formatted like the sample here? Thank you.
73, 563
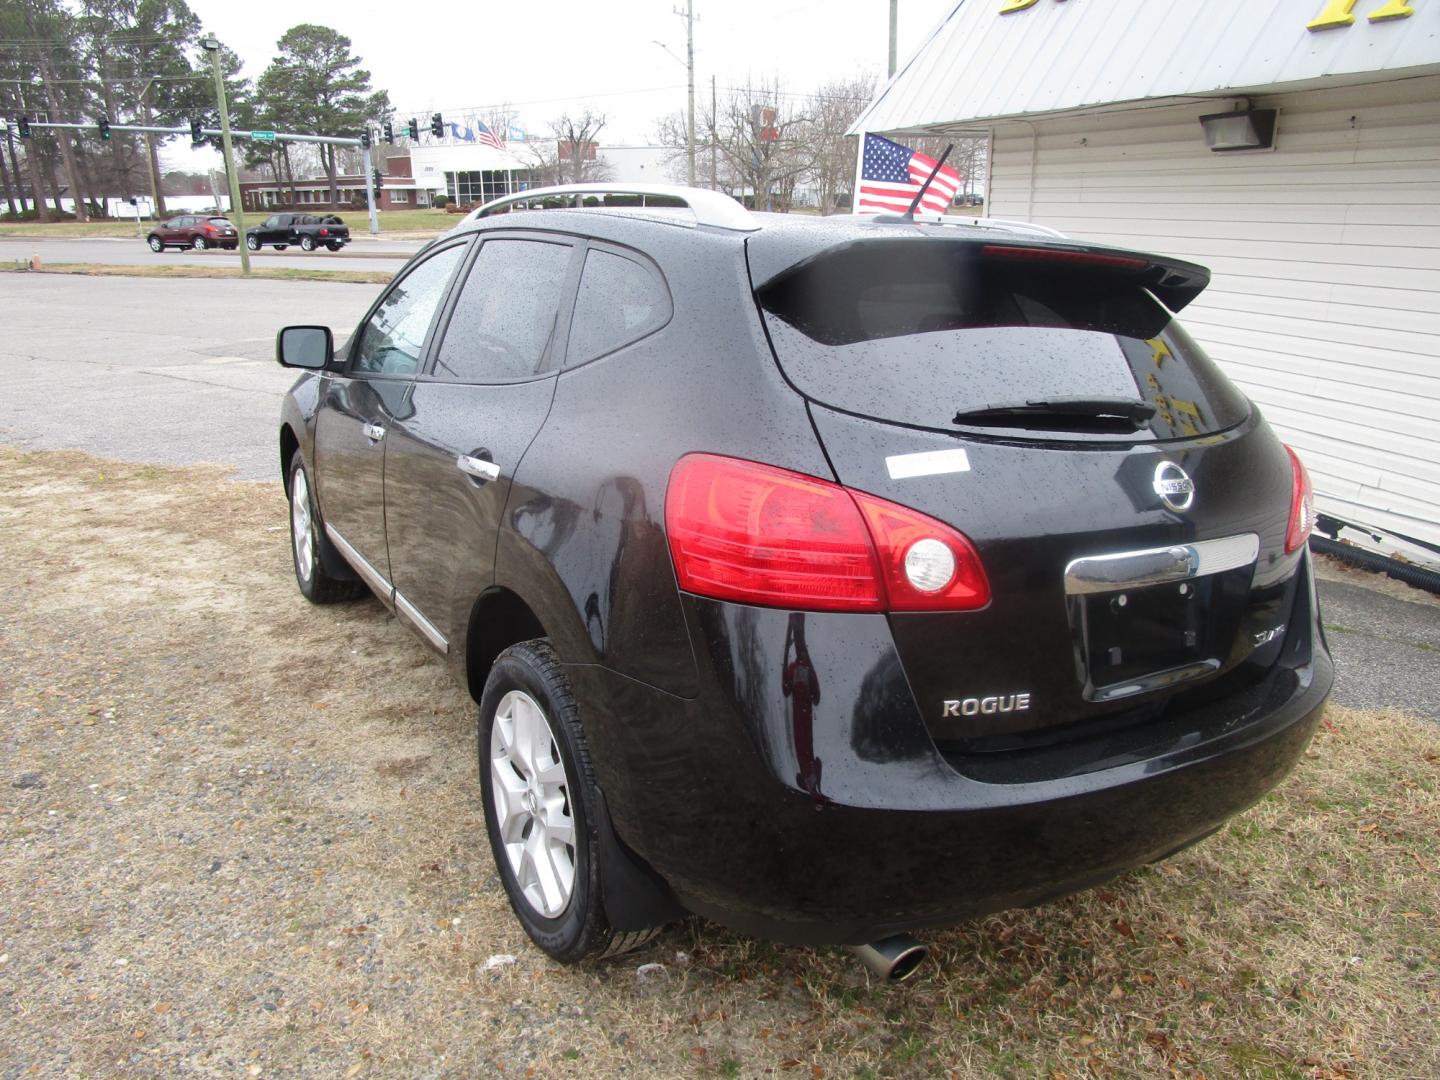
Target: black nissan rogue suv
828, 578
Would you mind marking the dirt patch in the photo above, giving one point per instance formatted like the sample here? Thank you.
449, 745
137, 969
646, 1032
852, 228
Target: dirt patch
242, 836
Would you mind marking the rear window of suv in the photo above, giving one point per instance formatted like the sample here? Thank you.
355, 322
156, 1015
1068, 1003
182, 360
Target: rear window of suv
922, 333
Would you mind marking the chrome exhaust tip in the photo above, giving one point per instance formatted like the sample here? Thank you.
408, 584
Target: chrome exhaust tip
893, 959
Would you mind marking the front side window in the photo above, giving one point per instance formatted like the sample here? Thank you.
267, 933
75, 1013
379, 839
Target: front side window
619, 302
394, 337
506, 313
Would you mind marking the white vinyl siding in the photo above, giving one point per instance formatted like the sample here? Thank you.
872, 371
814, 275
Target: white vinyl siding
1325, 301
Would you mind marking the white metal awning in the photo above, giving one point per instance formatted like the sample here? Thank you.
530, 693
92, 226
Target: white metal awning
1053, 56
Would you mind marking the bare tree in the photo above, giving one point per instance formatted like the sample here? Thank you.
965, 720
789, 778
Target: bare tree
834, 107
575, 156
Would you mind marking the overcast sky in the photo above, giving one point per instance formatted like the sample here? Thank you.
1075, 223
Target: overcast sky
562, 55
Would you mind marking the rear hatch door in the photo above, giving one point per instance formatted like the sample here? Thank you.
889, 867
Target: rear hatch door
1128, 504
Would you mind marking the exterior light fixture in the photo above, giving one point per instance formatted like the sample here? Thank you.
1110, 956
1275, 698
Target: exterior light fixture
1243, 129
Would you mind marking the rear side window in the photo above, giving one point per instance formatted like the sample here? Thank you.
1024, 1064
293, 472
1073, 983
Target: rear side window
619, 302
505, 315
922, 333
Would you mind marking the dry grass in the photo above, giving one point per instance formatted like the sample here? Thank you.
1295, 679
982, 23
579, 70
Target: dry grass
181, 270
241, 836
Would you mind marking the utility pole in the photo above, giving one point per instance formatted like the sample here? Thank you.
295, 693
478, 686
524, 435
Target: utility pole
689, 16
157, 203
212, 46
714, 138
894, 4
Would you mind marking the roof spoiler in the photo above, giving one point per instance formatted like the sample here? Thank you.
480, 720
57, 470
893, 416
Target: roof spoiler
1174, 282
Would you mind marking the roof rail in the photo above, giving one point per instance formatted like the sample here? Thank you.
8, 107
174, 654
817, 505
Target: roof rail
709, 207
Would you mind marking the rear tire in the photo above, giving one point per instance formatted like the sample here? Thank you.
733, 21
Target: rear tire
252, 243
542, 830
306, 540
307, 244
199, 243
281, 247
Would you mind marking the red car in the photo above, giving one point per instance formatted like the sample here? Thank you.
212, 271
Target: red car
198, 231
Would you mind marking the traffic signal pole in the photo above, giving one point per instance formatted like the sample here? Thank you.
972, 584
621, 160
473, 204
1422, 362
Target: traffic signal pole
254, 136
369, 188
212, 46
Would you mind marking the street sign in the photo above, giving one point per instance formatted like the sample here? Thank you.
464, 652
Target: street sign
263, 136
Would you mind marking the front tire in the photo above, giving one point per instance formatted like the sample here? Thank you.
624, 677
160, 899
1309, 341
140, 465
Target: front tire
156, 244
307, 244
333, 246
541, 806
316, 585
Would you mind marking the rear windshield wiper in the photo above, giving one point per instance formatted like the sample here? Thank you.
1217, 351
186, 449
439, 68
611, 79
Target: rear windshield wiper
1064, 414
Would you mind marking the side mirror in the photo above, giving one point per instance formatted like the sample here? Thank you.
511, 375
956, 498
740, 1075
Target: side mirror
309, 347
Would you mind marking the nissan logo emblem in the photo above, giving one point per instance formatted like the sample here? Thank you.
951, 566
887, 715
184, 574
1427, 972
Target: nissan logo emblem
1174, 486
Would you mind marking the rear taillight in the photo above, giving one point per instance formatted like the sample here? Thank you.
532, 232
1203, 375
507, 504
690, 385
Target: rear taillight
324, 232
1302, 504
209, 230
756, 534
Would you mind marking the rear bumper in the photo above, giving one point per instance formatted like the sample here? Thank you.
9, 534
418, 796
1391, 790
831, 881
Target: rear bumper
799, 796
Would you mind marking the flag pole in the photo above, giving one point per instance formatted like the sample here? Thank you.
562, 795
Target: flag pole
926, 185
859, 165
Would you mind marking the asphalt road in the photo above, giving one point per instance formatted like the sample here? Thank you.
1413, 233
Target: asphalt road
167, 370
380, 254
181, 371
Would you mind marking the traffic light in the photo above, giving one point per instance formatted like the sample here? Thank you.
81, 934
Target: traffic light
437, 125
365, 139
24, 127
389, 132
379, 180
197, 136
104, 126
413, 129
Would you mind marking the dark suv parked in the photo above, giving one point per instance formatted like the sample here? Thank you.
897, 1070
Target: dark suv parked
827, 578
198, 231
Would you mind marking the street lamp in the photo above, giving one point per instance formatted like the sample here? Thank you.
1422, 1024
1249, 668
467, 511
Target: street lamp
211, 44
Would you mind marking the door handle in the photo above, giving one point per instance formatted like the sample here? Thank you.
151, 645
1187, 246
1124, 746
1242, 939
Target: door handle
477, 467
373, 432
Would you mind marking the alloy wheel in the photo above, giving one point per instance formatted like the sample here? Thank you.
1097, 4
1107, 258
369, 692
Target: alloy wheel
199, 243
252, 243
302, 532
532, 803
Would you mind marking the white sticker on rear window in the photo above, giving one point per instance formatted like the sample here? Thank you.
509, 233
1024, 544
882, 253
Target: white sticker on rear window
929, 463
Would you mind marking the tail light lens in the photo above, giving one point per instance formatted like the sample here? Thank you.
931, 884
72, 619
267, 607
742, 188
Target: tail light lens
324, 232
1302, 504
210, 230
756, 534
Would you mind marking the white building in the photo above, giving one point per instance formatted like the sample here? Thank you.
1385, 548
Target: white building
473, 172
1325, 248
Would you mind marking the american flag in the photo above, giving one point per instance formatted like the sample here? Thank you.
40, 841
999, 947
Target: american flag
891, 174
488, 137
